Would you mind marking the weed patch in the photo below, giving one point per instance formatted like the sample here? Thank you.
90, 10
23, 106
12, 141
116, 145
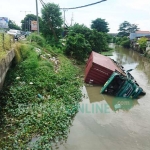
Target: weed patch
38, 102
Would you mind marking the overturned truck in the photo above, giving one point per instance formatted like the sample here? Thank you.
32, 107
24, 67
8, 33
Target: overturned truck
102, 70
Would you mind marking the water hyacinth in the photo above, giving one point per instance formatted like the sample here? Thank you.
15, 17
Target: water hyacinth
38, 107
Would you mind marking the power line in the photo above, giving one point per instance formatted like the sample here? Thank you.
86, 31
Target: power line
85, 5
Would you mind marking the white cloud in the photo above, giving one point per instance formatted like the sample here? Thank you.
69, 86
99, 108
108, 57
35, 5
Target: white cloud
144, 25
143, 5
113, 11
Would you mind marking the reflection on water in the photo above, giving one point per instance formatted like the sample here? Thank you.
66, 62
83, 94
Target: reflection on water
132, 60
113, 102
125, 125
129, 60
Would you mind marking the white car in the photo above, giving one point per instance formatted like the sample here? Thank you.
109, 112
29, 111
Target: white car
16, 33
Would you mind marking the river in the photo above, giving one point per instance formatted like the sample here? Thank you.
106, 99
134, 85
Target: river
102, 124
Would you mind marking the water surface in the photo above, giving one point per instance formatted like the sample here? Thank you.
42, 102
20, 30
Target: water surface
106, 122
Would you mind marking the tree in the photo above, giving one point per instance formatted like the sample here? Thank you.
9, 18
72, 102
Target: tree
126, 28
77, 46
26, 22
100, 25
13, 25
125, 43
52, 22
97, 40
80, 29
142, 43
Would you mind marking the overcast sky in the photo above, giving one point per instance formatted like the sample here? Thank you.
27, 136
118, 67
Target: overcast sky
113, 11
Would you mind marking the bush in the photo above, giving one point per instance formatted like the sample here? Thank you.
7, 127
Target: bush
97, 40
36, 38
142, 43
22, 51
123, 41
77, 46
125, 44
41, 103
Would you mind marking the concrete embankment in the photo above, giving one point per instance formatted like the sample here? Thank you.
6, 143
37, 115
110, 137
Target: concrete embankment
4, 66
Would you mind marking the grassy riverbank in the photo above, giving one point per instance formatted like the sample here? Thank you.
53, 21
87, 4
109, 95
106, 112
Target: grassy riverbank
5, 44
108, 53
39, 99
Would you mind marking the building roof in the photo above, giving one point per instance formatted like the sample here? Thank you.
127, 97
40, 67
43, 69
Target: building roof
139, 34
143, 32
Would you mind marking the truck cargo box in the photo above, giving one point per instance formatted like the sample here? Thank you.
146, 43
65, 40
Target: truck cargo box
99, 68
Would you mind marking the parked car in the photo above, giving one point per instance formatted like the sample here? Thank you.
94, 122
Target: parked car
27, 33
17, 33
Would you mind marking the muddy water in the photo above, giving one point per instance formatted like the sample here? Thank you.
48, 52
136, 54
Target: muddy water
105, 122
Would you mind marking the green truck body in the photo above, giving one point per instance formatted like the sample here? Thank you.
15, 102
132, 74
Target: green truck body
122, 86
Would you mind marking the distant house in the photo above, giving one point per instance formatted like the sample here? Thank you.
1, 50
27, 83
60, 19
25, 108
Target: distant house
139, 34
113, 34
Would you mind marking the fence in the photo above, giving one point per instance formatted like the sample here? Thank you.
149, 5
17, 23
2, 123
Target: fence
6, 55
5, 42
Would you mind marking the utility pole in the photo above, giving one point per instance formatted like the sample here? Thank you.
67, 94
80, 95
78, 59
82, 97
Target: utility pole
37, 16
72, 19
25, 24
29, 24
64, 16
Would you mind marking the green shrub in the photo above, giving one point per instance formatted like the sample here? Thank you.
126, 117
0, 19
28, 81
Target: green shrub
43, 109
25, 50
30, 63
126, 43
142, 43
36, 38
22, 51
17, 48
97, 40
77, 47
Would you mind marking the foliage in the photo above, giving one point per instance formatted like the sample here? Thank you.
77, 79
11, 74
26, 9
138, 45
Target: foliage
26, 22
17, 58
126, 28
52, 22
13, 25
126, 43
5, 42
34, 37
82, 29
108, 53
97, 40
123, 41
114, 40
100, 25
41, 111
77, 46
109, 38
142, 43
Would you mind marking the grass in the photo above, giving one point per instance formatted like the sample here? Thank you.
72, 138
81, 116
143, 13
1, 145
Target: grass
2, 54
108, 53
39, 100
4, 45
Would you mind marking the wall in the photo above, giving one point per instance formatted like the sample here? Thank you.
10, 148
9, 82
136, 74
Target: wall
4, 66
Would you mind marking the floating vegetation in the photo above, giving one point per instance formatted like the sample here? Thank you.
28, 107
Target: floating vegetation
38, 102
